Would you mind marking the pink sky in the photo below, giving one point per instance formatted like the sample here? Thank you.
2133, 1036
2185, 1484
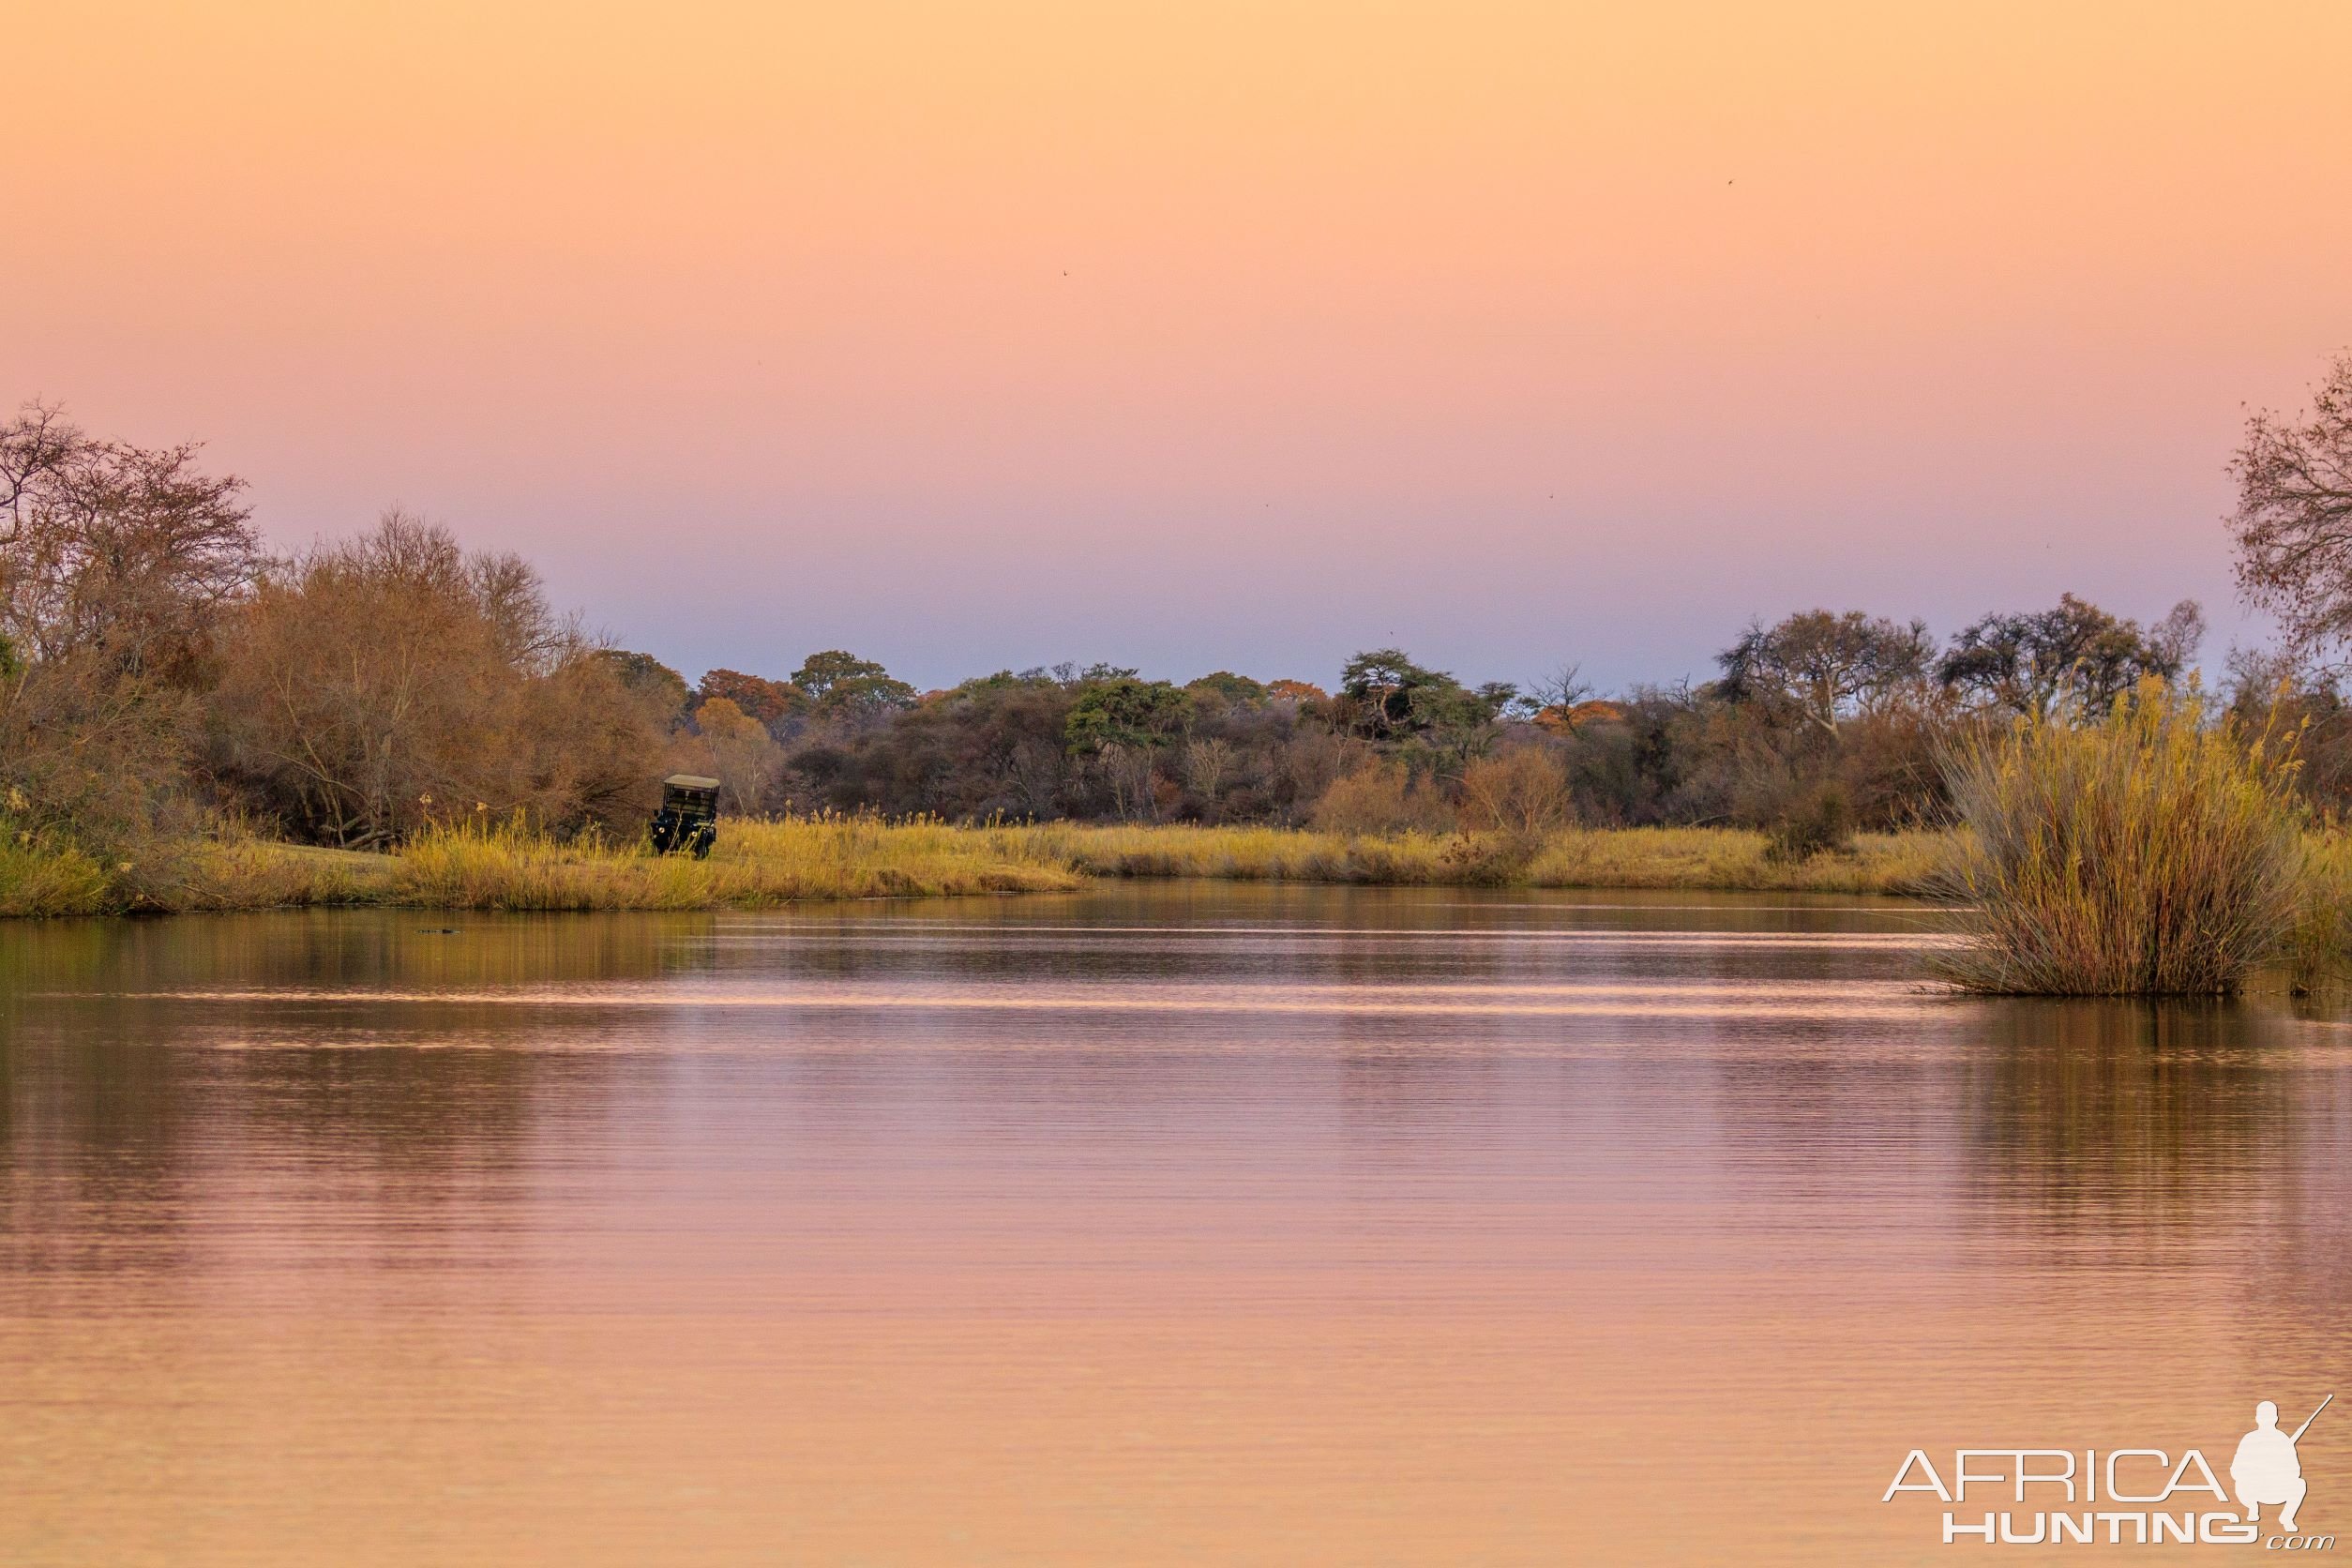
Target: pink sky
1197, 336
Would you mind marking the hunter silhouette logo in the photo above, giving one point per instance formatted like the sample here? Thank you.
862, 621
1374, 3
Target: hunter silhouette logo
2124, 1495
2267, 1469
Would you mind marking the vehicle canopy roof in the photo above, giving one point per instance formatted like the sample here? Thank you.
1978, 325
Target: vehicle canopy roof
689, 781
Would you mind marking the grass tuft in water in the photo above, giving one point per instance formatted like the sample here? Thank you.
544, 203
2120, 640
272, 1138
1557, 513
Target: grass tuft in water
2148, 853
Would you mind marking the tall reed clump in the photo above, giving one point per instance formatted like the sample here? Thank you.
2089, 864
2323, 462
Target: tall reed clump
2147, 853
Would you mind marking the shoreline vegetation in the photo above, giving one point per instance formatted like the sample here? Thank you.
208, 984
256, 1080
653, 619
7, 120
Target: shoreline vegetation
188, 722
766, 863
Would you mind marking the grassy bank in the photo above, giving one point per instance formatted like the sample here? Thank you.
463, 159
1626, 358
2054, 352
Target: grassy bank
761, 863
1725, 859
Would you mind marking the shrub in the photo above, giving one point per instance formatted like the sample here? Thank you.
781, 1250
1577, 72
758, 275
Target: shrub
1819, 822
1380, 798
2147, 853
1523, 791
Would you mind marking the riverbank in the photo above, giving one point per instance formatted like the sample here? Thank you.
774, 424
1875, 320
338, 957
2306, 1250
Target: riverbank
761, 864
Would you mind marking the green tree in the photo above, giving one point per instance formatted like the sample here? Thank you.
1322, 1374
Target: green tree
1391, 696
840, 682
1125, 712
1236, 690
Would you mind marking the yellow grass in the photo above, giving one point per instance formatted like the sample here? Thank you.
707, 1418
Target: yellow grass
756, 863
765, 862
1647, 857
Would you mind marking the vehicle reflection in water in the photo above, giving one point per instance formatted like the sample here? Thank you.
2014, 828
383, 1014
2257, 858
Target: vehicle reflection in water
1157, 1222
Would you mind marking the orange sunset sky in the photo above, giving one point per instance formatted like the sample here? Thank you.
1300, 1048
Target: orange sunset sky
1201, 335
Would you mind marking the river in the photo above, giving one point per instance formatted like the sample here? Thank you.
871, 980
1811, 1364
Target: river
1174, 1223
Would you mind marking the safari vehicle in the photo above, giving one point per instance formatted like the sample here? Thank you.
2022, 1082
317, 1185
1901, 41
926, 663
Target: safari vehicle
688, 818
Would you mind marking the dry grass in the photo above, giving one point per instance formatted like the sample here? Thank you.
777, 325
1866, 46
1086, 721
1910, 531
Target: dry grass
761, 863
2317, 949
2149, 853
38, 877
756, 863
1720, 858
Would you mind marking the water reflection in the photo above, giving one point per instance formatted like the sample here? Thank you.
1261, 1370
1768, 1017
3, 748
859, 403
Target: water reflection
1173, 1223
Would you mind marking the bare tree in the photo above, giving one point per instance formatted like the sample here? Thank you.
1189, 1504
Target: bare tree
115, 565
1563, 688
393, 680
2293, 525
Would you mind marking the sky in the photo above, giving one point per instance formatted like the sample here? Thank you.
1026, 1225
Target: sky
1202, 335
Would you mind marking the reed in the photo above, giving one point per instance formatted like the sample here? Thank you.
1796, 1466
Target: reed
2149, 852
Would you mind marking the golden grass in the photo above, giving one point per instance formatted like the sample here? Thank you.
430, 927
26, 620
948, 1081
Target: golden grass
763, 863
37, 878
756, 863
1728, 859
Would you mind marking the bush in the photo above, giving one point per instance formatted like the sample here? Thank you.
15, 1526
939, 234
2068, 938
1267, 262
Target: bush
1819, 822
1382, 798
1523, 791
2145, 853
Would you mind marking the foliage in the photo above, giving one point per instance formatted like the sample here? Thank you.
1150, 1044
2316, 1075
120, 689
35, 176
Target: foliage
842, 685
661, 691
773, 704
2147, 853
1523, 791
41, 874
1381, 796
1225, 687
1122, 711
738, 751
2075, 653
1820, 821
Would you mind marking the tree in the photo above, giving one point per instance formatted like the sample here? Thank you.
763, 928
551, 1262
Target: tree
742, 753
1557, 693
2293, 525
1828, 666
2072, 652
1235, 690
841, 684
660, 689
116, 564
1125, 712
393, 680
773, 703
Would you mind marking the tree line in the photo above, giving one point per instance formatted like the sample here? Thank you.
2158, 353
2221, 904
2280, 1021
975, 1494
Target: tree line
160, 669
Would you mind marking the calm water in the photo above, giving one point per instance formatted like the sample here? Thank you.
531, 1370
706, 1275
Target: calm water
1179, 1224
